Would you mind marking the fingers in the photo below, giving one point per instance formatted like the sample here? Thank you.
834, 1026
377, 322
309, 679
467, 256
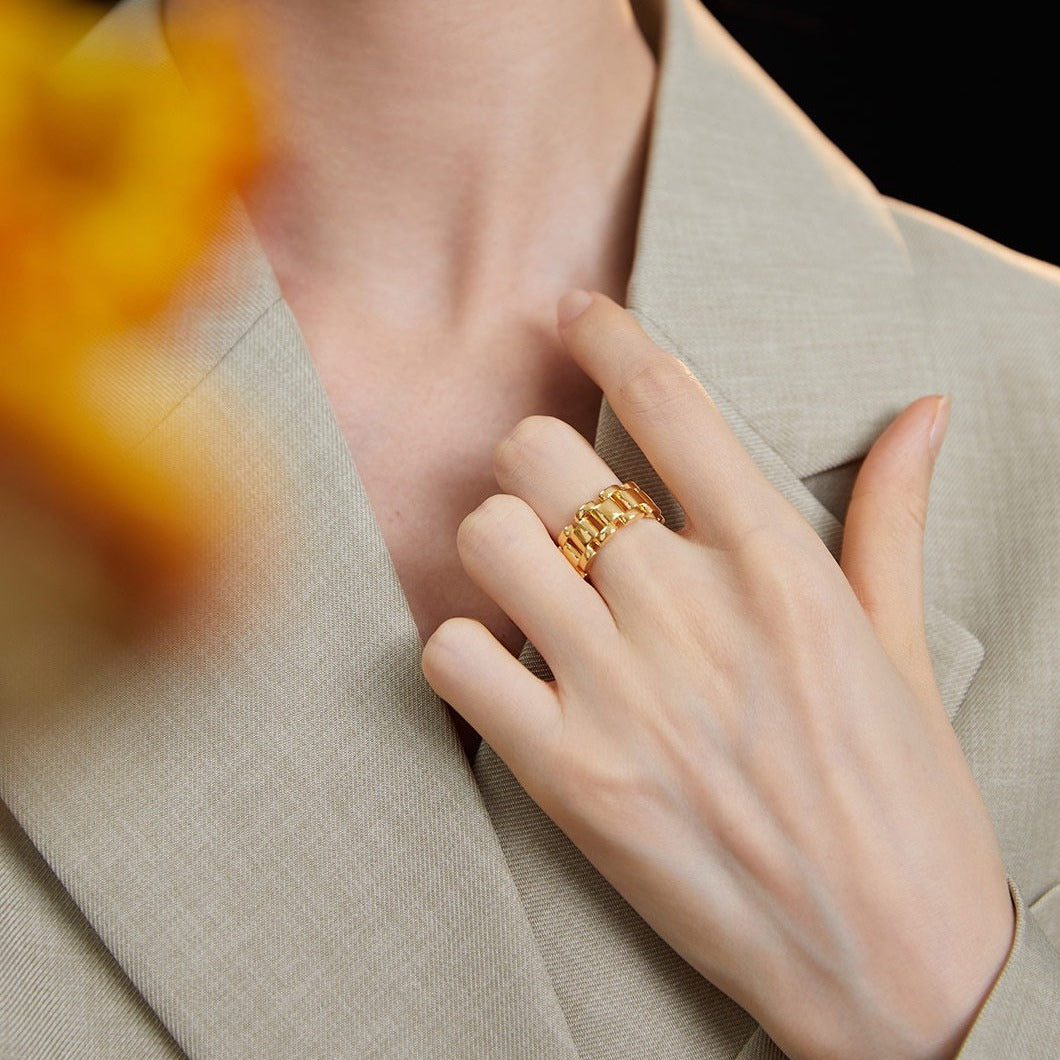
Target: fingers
517, 713
883, 540
550, 466
673, 420
510, 556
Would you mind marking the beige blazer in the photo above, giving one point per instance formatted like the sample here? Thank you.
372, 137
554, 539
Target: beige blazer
267, 844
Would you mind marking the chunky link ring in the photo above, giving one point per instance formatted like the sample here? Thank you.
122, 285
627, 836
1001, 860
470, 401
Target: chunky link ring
596, 520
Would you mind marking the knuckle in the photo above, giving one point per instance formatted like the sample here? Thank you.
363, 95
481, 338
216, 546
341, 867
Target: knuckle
904, 507
533, 433
530, 438
446, 637
652, 558
898, 532
603, 797
446, 648
785, 577
478, 529
763, 546
657, 386
912, 510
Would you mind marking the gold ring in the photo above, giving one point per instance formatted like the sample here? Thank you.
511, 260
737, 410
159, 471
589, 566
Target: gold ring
596, 520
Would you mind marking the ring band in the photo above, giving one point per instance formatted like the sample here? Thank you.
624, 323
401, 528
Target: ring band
596, 520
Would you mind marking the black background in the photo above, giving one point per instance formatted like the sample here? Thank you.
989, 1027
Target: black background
955, 113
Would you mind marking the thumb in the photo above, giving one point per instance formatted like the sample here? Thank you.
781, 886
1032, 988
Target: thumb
883, 540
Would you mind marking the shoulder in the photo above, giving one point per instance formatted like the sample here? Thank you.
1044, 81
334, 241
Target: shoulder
990, 300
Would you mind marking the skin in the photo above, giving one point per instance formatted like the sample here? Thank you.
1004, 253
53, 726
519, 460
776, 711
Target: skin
797, 818
744, 736
433, 219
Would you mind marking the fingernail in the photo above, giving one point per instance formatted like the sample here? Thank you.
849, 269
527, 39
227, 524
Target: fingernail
939, 424
572, 305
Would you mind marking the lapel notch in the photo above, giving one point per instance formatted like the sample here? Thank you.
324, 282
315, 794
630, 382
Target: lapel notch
771, 267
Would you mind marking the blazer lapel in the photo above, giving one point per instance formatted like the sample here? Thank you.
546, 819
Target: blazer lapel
956, 652
270, 824
770, 265
769, 260
602, 957
269, 821
772, 268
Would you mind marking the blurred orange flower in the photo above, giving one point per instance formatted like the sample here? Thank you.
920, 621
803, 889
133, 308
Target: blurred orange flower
112, 181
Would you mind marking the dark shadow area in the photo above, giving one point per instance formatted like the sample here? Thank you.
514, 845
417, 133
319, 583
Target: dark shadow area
955, 114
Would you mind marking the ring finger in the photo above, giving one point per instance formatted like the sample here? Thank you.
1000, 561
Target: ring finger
548, 464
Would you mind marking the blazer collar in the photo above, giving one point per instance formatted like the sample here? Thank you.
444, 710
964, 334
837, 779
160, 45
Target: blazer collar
768, 259
271, 825
772, 268
770, 265
763, 255
225, 823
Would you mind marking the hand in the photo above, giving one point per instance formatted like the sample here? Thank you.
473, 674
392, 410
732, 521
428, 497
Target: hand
744, 737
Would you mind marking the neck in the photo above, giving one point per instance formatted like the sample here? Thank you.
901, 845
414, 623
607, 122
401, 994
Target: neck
435, 160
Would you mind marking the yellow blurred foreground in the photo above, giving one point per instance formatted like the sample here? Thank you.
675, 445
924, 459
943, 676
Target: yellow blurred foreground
112, 183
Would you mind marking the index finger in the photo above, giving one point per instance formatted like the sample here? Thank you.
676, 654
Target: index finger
672, 418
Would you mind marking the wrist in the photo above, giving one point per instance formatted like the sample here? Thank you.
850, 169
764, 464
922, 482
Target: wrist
903, 1006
